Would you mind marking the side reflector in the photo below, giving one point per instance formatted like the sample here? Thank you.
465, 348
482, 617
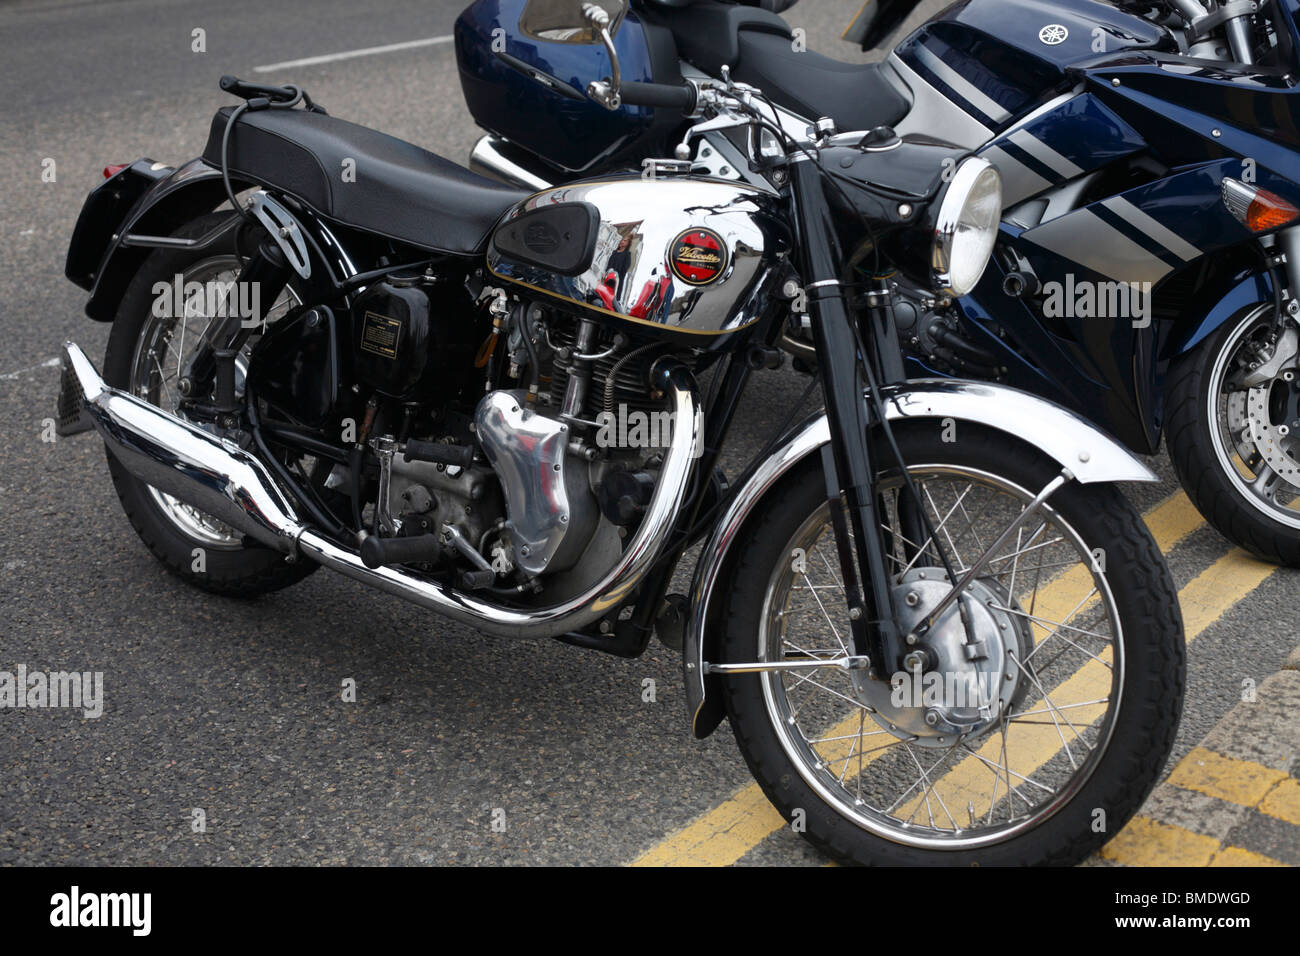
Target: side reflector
1258, 209
113, 169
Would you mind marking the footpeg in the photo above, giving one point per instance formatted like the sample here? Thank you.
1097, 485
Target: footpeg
477, 580
415, 549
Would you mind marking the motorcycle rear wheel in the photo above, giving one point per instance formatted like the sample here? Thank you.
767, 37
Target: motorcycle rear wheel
1069, 753
144, 355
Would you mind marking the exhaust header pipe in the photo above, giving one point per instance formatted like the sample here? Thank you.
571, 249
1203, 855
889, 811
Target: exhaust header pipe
220, 478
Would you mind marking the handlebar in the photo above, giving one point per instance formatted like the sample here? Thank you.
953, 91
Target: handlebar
659, 95
248, 91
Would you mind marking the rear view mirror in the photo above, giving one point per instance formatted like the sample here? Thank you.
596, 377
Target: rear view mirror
571, 21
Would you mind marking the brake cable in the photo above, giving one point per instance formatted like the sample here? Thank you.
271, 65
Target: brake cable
299, 95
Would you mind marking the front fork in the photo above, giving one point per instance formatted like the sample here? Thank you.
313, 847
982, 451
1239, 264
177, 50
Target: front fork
847, 460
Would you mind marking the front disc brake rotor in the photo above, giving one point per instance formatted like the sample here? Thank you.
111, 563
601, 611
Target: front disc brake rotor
1265, 419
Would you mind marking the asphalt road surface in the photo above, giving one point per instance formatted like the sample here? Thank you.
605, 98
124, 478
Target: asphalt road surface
235, 708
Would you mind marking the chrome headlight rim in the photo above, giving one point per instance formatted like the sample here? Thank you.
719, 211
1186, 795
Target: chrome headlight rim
953, 215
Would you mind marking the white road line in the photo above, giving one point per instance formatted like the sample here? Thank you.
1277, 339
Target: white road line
48, 363
351, 54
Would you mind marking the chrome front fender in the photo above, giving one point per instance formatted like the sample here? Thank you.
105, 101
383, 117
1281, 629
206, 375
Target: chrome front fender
1060, 434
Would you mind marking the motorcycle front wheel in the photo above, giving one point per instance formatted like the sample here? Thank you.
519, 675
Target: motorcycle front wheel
1234, 433
1035, 745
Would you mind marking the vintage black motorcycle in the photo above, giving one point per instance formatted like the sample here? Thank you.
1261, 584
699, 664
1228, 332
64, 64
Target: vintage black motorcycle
940, 632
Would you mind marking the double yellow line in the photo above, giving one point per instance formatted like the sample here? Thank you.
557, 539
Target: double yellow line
729, 831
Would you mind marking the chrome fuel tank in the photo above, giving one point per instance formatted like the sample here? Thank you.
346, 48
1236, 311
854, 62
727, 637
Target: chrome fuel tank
687, 255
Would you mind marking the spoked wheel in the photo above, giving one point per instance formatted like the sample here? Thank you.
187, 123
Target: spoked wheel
1234, 433
1034, 743
147, 352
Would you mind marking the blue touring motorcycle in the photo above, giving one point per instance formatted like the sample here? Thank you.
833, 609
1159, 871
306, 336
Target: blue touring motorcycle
1149, 251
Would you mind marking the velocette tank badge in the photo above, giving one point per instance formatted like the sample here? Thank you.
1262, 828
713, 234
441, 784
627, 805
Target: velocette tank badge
698, 256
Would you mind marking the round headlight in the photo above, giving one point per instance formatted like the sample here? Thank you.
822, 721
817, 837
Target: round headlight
967, 226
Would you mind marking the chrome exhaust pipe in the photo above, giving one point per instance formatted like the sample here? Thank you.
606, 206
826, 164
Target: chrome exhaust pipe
225, 481
486, 159
179, 458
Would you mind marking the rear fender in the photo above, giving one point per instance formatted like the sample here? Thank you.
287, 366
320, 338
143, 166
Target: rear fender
101, 259
162, 208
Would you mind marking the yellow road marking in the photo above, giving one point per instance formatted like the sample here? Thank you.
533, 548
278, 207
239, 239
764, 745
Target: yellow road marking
1237, 781
1172, 520
1236, 856
1227, 581
1145, 842
722, 836
1204, 600
726, 833
1284, 802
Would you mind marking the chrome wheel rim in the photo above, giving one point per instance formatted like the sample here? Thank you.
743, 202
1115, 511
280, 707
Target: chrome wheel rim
165, 344
974, 790
1250, 449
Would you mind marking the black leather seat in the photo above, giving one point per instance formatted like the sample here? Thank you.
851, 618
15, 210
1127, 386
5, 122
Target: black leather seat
400, 190
856, 95
758, 46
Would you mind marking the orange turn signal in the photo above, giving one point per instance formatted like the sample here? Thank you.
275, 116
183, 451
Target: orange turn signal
1269, 211
1258, 209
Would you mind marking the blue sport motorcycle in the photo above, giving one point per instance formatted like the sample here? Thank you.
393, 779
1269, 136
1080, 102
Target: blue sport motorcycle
1149, 249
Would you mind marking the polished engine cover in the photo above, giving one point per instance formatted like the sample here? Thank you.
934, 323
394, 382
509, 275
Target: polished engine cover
685, 254
552, 510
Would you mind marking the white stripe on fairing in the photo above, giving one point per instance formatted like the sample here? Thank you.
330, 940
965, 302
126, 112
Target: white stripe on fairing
1084, 237
1153, 228
932, 109
963, 86
352, 54
1049, 157
1018, 180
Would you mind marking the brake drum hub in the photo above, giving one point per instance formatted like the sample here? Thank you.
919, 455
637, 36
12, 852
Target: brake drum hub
963, 689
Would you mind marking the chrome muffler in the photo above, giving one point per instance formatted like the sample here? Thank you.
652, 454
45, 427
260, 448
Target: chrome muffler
223, 480
179, 458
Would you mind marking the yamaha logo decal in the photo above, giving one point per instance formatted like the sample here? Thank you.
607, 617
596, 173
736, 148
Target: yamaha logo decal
1054, 34
698, 256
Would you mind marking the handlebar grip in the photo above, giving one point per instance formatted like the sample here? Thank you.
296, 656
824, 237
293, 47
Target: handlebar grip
246, 90
659, 95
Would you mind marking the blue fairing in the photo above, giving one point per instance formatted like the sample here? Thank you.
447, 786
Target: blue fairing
1114, 95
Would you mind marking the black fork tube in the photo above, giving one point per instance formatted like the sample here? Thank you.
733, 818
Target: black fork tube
850, 416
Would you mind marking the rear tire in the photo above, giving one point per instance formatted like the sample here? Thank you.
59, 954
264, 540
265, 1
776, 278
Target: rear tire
221, 561
1133, 737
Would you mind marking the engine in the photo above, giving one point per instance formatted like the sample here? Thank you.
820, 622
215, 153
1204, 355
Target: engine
569, 444
508, 434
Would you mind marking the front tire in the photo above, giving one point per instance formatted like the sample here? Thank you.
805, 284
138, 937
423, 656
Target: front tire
1082, 611
1236, 449
143, 356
